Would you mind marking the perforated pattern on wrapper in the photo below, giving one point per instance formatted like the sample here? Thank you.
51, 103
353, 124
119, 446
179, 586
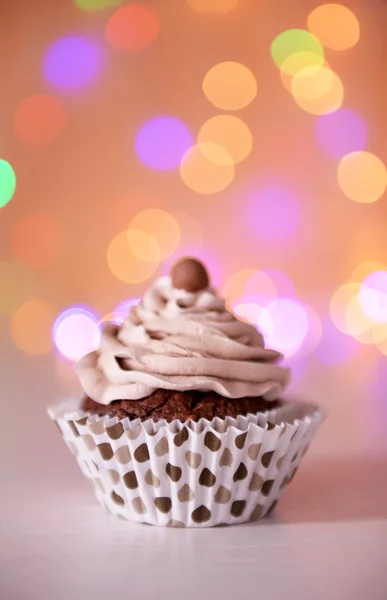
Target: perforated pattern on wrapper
202, 474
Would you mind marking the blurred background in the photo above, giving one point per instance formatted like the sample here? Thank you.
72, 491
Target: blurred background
246, 132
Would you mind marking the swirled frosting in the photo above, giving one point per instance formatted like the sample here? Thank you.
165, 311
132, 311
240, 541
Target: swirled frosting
177, 340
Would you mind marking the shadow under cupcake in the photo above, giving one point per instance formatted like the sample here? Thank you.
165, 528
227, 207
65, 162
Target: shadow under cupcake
182, 423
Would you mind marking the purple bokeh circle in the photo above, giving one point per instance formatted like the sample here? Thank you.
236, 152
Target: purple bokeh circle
274, 213
341, 132
335, 347
162, 142
282, 282
71, 62
373, 296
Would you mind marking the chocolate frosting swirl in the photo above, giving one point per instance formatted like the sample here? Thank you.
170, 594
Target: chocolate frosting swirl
179, 340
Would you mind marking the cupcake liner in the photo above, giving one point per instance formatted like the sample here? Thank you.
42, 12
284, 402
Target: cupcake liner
223, 472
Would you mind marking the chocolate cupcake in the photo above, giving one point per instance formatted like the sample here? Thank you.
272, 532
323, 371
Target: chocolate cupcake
183, 422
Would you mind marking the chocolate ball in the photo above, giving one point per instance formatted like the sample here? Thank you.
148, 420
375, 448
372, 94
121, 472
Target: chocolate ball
189, 274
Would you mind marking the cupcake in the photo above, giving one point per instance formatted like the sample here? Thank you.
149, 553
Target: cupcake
182, 422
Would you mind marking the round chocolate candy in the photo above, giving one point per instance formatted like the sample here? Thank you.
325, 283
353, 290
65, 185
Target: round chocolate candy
189, 274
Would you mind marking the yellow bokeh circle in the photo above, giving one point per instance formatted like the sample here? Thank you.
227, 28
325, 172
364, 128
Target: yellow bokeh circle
229, 132
143, 245
31, 327
317, 90
234, 288
230, 85
159, 225
335, 26
365, 269
382, 347
207, 168
375, 335
298, 61
362, 177
295, 63
339, 304
124, 264
349, 317
356, 320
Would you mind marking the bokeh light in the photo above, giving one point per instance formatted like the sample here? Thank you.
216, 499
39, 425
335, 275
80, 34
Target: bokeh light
123, 309
354, 315
207, 168
162, 227
109, 318
234, 288
317, 90
314, 333
296, 63
382, 347
230, 86
91, 5
299, 371
362, 177
132, 28
229, 132
260, 287
39, 119
335, 348
17, 285
364, 329
123, 209
7, 182
212, 6
357, 322
274, 213
339, 304
124, 264
76, 332
191, 234
31, 325
37, 240
72, 62
162, 142
281, 281
257, 315
341, 132
311, 83
143, 245
335, 26
291, 326
365, 269
373, 296
374, 335
296, 49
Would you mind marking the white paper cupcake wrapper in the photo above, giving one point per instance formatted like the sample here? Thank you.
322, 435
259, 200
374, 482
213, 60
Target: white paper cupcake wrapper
202, 474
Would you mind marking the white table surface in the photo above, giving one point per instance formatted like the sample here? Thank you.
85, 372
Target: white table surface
327, 540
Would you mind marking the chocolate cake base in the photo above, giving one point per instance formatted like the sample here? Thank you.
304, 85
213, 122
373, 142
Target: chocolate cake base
170, 405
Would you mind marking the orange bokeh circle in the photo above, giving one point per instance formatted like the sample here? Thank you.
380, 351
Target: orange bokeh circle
39, 119
132, 28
